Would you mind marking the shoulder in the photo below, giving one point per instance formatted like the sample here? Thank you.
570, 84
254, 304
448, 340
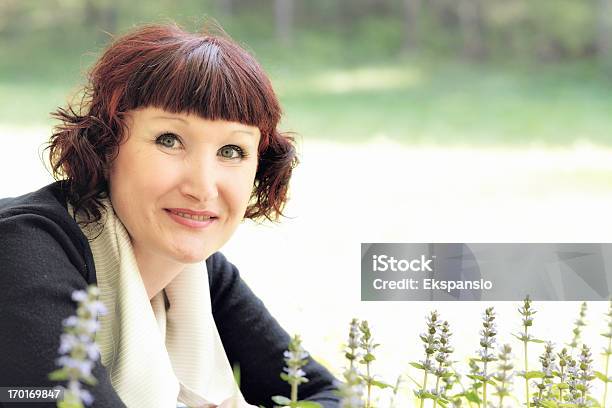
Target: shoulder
46, 199
227, 289
221, 272
36, 229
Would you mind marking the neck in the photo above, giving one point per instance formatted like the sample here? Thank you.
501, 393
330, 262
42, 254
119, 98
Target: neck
156, 272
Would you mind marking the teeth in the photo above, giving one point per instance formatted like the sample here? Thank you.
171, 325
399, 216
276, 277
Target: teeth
193, 217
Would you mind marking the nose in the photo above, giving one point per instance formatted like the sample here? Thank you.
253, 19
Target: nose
201, 179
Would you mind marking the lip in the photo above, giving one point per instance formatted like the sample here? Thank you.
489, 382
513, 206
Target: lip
190, 223
193, 212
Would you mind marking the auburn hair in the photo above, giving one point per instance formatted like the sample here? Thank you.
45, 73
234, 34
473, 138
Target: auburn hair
164, 66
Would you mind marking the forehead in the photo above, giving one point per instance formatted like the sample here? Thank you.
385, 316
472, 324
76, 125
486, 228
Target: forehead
154, 115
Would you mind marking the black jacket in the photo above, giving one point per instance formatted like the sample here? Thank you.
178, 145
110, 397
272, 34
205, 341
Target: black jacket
44, 257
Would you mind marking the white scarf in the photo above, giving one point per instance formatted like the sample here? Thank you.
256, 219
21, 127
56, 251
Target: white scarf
156, 357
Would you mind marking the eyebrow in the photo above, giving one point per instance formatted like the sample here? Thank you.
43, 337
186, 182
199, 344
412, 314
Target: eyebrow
247, 132
170, 117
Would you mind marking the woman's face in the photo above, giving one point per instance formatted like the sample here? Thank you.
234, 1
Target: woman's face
173, 165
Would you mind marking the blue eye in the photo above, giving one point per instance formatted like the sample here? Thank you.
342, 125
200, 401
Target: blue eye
232, 152
167, 140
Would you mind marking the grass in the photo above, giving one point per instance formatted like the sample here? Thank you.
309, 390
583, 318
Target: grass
412, 100
417, 102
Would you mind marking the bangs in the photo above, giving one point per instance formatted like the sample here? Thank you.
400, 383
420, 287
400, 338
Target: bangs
207, 76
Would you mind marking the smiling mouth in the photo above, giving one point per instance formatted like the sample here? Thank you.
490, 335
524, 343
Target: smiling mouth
192, 216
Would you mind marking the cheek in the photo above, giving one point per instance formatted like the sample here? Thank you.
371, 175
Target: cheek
135, 182
140, 174
240, 191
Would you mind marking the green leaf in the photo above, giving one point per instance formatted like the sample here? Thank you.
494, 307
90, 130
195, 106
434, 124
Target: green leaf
536, 341
279, 399
427, 395
601, 376
58, 375
381, 384
64, 404
502, 394
471, 396
594, 402
308, 404
418, 384
417, 365
236, 372
549, 404
532, 374
90, 380
368, 358
442, 402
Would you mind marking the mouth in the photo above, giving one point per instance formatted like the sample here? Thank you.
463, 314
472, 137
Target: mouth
191, 220
191, 216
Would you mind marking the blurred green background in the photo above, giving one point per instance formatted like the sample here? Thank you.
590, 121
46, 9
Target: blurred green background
524, 85
431, 72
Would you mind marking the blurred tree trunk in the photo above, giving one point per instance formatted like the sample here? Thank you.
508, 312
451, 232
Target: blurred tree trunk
226, 7
110, 17
283, 14
379, 7
445, 11
471, 25
412, 10
8, 10
90, 13
102, 15
604, 28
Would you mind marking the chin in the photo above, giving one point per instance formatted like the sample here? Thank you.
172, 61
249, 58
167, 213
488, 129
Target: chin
191, 259
190, 256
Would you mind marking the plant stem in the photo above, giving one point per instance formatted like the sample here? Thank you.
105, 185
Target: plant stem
603, 403
526, 370
561, 389
484, 385
294, 389
462, 387
501, 397
437, 382
424, 388
369, 383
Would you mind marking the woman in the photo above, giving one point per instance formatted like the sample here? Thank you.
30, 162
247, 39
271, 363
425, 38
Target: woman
173, 144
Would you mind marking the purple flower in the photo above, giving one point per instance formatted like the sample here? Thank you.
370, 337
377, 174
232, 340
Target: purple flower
70, 321
91, 326
79, 296
67, 343
93, 352
78, 350
75, 388
84, 366
96, 307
